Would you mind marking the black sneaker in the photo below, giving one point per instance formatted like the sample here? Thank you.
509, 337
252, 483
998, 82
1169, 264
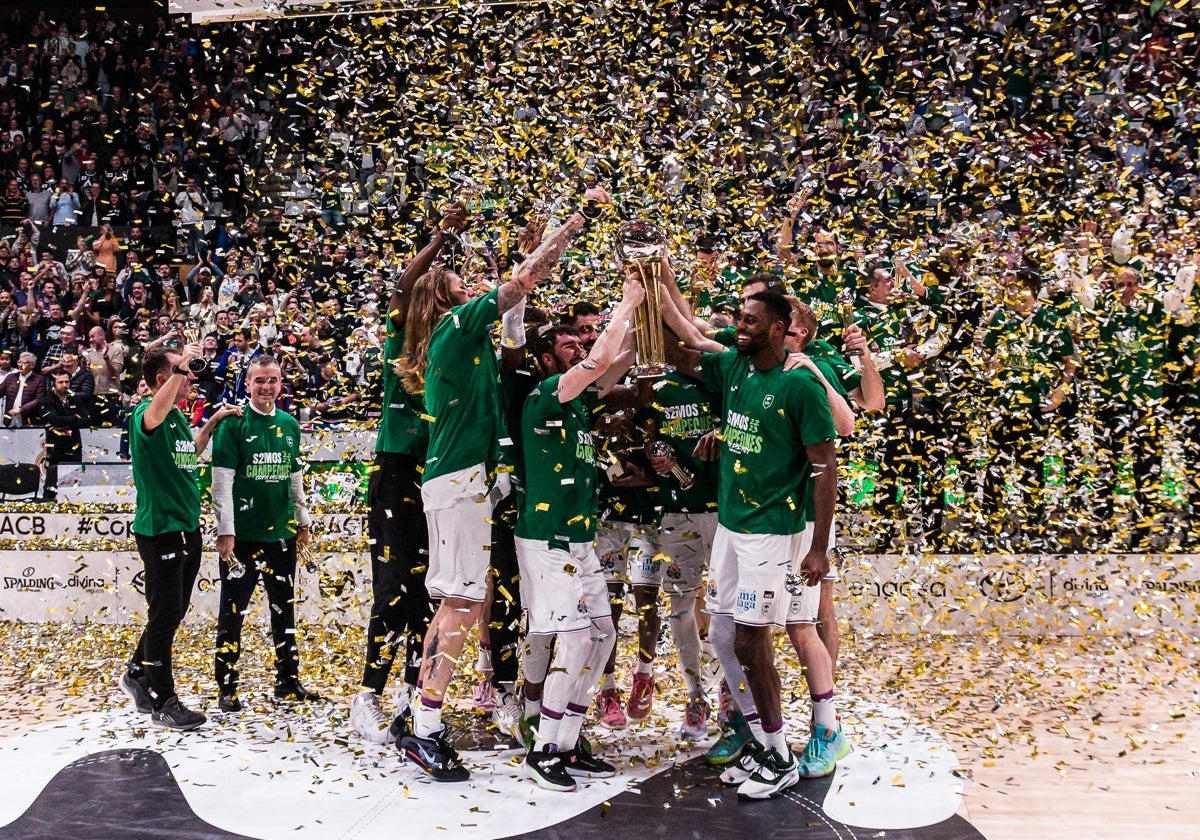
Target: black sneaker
137, 690
549, 770
291, 689
229, 703
584, 765
432, 754
175, 715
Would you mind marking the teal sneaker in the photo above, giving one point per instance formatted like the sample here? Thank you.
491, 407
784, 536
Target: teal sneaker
735, 735
824, 750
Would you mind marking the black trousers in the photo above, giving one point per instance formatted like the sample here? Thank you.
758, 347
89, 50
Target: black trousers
504, 623
1127, 429
399, 536
1020, 442
908, 438
275, 564
170, 563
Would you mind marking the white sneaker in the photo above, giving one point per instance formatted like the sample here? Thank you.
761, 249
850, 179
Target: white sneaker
367, 718
506, 714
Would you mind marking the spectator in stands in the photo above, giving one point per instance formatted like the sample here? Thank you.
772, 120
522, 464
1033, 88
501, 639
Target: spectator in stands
106, 247
106, 361
332, 393
38, 196
64, 205
193, 206
14, 206
63, 414
23, 394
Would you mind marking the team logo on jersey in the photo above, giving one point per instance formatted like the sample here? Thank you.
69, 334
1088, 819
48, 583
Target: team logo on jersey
746, 601
767, 400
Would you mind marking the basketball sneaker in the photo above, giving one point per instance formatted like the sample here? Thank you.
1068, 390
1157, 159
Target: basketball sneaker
774, 773
549, 771
825, 749
743, 767
368, 719
608, 706
432, 754
695, 720
641, 696
735, 735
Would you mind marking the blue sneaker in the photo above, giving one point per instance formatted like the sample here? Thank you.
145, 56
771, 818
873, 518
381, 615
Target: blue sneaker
824, 750
735, 735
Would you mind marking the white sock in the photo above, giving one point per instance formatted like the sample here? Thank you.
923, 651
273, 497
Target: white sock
776, 741
687, 641
426, 720
824, 712
721, 629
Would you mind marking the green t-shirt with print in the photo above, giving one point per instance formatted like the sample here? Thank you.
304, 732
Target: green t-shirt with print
886, 331
164, 474
403, 427
1132, 349
559, 502
682, 413
842, 375
263, 451
769, 418
1031, 352
462, 391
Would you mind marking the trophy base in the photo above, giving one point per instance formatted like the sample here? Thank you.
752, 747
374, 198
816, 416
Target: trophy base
653, 371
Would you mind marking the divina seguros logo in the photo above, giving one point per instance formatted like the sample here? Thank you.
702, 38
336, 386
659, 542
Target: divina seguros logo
30, 581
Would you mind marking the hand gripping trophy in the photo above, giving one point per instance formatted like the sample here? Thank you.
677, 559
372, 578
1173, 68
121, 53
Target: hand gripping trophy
640, 247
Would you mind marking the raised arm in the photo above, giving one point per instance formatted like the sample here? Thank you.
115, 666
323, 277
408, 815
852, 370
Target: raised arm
541, 262
453, 221
607, 347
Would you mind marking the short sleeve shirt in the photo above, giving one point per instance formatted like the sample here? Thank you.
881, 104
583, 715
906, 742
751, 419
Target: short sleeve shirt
462, 390
560, 494
263, 451
164, 474
769, 417
403, 425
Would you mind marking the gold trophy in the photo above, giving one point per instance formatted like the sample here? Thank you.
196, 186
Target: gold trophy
845, 304
642, 245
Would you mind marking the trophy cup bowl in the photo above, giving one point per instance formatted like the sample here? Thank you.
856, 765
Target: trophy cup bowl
640, 245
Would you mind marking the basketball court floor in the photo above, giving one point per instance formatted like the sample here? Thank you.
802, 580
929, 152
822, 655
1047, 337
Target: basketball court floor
955, 736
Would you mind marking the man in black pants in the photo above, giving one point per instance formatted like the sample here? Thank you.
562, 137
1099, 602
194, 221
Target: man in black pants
262, 524
166, 526
396, 523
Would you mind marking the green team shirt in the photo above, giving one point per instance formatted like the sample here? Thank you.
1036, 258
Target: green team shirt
886, 332
559, 504
263, 451
840, 373
1031, 352
820, 291
769, 418
403, 427
1132, 349
462, 390
682, 413
164, 474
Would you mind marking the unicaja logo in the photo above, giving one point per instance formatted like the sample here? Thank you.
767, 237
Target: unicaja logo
1003, 586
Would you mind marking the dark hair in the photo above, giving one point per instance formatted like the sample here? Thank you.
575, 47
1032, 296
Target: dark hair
776, 304
548, 338
580, 308
156, 360
707, 242
1029, 279
773, 282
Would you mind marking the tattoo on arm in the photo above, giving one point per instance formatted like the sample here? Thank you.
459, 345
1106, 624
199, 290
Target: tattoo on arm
539, 265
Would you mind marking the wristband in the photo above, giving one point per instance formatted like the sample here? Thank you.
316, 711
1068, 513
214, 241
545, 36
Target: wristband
177, 369
590, 210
